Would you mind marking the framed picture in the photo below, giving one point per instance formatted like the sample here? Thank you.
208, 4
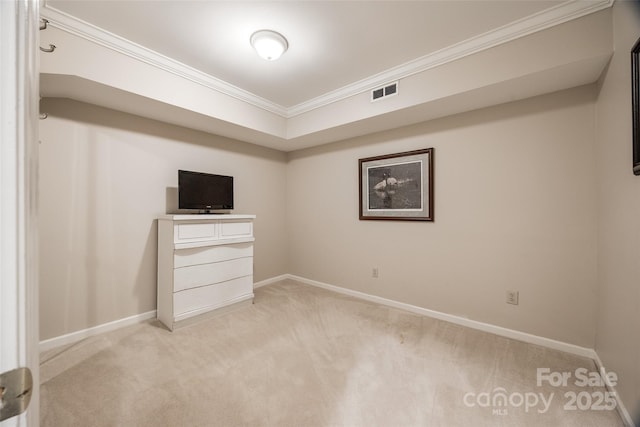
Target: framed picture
635, 101
397, 186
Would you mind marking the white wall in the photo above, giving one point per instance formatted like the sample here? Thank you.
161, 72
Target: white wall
515, 208
618, 311
104, 178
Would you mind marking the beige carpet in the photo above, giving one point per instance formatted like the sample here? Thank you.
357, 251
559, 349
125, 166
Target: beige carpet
302, 356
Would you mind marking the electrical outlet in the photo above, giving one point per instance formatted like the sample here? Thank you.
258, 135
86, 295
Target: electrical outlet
512, 297
374, 272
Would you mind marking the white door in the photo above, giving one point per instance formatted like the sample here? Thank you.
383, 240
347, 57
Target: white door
18, 194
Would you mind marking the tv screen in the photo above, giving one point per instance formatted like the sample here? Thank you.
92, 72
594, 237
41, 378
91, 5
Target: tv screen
204, 191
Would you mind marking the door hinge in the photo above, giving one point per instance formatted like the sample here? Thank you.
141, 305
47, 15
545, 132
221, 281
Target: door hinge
16, 387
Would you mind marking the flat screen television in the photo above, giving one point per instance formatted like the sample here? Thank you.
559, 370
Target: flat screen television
204, 191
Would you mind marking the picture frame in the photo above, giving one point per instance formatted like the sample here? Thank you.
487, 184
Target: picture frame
397, 187
635, 102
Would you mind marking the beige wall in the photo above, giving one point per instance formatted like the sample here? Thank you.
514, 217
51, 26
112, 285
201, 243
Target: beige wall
618, 311
104, 178
535, 196
515, 208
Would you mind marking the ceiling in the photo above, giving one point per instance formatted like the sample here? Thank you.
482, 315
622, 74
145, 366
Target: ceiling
324, 36
190, 63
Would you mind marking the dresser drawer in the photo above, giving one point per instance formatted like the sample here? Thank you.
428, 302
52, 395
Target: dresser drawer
207, 274
236, 229
209, 254
195, 231
210, 297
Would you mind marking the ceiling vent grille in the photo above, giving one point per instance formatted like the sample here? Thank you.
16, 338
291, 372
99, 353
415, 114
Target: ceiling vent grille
384, 91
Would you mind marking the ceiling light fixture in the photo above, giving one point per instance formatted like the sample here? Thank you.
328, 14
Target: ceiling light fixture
269, 44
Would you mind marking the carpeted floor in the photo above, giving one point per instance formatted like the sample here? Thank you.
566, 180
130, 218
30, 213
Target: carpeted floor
302, 356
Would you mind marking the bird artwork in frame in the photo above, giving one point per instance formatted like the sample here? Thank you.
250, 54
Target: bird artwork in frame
397, 186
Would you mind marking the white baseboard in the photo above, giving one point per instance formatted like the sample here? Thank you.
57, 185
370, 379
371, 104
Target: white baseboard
622, 410
111, 326
100, 329
486, 327
270, 281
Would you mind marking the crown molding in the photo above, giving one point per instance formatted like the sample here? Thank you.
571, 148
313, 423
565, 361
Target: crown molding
92, 33
556, 15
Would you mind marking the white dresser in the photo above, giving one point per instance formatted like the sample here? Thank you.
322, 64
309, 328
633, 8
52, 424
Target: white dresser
205, 263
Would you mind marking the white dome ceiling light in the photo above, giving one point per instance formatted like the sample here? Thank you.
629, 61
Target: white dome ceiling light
269, 44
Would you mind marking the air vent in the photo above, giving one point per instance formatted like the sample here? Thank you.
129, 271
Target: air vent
384, 91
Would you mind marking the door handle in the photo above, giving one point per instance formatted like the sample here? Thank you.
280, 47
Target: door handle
16, 388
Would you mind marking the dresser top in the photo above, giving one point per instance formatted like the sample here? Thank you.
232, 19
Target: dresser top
199, 217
